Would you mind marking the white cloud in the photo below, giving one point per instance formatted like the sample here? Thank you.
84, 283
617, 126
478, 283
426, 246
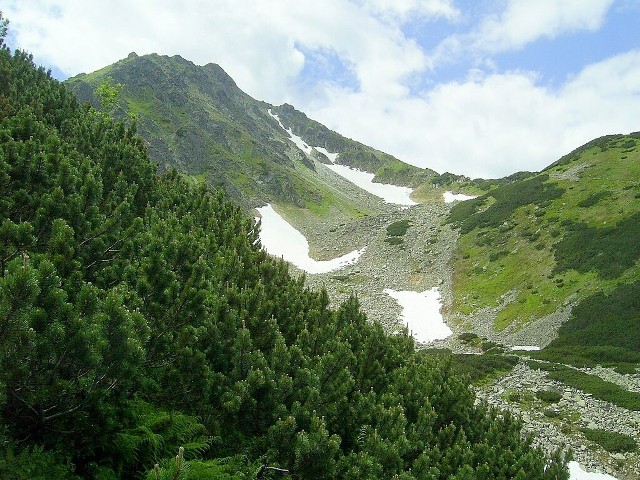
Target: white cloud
489, 124
404, 10
498, 124
256, 42
475, 127
524, 21
520, 23
605, 97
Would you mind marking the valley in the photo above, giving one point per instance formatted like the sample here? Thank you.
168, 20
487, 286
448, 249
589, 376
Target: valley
515, 266
420, 260
187, 269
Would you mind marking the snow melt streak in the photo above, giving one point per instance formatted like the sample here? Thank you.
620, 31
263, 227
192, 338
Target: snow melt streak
450, 197
389, 193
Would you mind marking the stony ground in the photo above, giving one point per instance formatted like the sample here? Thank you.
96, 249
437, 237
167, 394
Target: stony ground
558, 425
422, 261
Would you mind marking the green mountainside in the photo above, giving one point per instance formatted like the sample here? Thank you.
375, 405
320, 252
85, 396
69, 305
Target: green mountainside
140, 319
197, 120
566, 236
532, 245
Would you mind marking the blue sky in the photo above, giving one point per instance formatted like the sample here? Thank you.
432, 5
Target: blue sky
476, 87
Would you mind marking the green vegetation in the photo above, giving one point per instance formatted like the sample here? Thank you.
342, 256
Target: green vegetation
610, 441
603, 329
473, 214
449, 180
399, 228
514, 396
601, 144
532, 247
230, 468
549, 396
396, 172
597, 387
108, 95
489, 346
592, 384
608, 251
594, 198
481, 368
477, 368
467, 337
3, 29
138, 316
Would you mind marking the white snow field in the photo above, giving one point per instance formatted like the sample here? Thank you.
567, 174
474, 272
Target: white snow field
280, 239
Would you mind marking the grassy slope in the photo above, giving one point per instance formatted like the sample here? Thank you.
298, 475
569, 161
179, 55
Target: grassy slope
511, 259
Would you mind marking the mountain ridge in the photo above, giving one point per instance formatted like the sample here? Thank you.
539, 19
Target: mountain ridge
277, 171
198, 120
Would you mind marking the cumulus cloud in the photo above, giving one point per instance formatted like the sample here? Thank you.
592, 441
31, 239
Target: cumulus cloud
485, 123
495, 125
256, 42
524, 21
404, 10
515, 26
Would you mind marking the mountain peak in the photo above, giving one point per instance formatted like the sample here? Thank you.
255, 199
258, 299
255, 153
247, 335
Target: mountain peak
219, 73
195, 118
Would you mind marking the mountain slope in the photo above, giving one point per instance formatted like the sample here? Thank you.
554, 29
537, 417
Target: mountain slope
197, 120
533, 249
387, 168
529, 250
139, 318
534, 257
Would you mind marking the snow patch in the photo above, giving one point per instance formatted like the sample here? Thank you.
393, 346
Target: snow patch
280, 239
331, 156
577, 473
364, 180
526, 348
292, 136
450, 197
421, 313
